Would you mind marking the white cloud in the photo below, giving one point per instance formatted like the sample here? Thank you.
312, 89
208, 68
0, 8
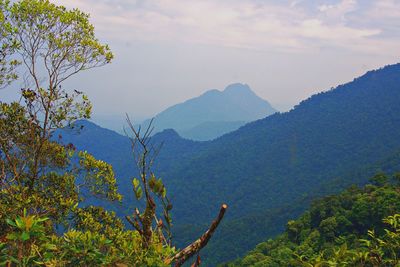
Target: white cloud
247, 23
383, 10
295, 3
339, 11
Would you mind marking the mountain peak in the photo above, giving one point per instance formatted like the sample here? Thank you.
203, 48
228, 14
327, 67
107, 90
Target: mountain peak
211, 92
221, 109
238, 88
168, 133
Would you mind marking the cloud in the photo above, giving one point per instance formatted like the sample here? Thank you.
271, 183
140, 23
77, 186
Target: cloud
295, 3
253, 24
340, 10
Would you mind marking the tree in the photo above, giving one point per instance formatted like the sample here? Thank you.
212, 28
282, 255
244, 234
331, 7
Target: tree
53, 44
41, 180
396, 178
379, 179
8, 45
145, 153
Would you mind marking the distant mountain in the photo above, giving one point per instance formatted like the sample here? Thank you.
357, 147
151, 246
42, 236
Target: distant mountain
115, 122
214, 113
211, 129
269, 169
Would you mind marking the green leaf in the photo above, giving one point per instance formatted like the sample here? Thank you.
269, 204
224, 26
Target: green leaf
19, 223
135, 183
25, 236
10, 222
12, 236
139, 193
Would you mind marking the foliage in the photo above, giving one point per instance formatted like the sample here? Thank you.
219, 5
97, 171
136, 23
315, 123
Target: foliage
153, 188
35, 169
271, 168
43, 183
8, 45
359, 227
60, 40
28, 244
41, 173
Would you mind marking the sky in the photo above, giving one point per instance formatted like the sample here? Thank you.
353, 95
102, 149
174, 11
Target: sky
167, 51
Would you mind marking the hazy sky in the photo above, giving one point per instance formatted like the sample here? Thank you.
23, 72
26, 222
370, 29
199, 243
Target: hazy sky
170, 50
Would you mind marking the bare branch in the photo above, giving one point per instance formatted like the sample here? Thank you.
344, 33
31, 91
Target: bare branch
181, 257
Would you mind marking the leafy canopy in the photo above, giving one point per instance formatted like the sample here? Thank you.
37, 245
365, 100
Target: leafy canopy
8, 45
42, 182
359, 227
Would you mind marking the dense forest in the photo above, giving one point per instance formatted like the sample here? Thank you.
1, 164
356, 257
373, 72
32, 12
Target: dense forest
358, 227
275, 165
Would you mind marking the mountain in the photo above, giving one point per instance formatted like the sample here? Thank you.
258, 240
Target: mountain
286, 155
268, 170
214, 113
211, 129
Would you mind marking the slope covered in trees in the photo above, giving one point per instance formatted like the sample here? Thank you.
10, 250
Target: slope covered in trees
323, 145
284, 156
358, 227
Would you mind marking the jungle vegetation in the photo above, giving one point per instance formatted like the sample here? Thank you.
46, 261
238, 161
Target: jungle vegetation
43, 183
358, 227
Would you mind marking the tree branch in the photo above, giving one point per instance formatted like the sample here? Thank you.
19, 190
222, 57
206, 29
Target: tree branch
197, 245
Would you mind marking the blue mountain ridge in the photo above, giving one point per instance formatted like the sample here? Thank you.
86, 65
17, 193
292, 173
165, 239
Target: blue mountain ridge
268, 166
213, 113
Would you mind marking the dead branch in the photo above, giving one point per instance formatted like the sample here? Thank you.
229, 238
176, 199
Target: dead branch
197, 245
159, 229
144, 159
197, 262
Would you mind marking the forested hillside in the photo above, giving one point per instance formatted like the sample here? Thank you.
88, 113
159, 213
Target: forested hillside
324, 144
286, 155
359, 227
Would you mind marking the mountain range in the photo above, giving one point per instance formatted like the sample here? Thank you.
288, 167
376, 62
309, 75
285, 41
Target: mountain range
268, 170
213, 113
